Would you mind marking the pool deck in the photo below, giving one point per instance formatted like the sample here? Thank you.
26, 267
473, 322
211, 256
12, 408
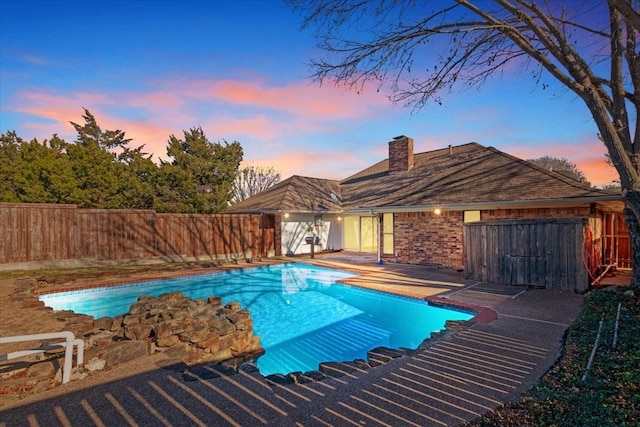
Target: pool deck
456, 377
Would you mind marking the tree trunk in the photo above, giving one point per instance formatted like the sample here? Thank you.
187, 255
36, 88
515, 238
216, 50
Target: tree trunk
631, 215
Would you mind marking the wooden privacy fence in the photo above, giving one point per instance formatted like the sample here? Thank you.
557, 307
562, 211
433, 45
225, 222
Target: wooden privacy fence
45, 232
546, 252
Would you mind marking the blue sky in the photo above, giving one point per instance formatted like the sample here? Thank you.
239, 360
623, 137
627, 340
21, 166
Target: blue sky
239, 69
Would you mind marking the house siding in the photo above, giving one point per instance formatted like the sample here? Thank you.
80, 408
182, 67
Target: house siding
532, 213
294, 229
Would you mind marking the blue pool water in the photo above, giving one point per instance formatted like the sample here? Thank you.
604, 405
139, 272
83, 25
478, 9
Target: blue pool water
303, 317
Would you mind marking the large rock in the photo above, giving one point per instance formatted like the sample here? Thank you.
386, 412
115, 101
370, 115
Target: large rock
119, 352
202, 331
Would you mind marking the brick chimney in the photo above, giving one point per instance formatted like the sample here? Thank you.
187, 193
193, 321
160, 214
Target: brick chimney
400, 154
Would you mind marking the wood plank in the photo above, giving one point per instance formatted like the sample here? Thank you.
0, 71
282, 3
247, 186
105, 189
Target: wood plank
484, 255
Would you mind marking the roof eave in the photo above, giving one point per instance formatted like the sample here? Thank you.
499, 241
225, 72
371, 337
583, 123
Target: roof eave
284, 211
507, 204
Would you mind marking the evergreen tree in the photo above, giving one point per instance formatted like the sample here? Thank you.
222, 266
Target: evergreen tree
46, 175
200, 176
142, 191
10, 166
103, 181
100, 170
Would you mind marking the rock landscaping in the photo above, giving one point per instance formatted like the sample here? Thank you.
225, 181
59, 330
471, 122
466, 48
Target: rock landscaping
184, 330
199, 331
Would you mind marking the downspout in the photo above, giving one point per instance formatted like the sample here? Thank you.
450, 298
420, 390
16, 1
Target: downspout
261, 225
379, 238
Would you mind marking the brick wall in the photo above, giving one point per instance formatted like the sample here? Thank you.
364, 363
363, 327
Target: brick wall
428, 239
277, 234
401, 154
424, 238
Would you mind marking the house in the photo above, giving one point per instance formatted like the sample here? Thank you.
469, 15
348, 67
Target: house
416, 208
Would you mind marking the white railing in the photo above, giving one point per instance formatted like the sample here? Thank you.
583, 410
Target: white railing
70, 341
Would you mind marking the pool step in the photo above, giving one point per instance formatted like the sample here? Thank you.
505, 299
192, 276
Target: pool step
341, 341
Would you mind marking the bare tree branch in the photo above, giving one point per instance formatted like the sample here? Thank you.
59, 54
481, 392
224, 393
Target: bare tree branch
252, 180
420, 51
632, 17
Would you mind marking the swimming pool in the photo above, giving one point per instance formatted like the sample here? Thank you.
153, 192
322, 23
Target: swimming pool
303, 317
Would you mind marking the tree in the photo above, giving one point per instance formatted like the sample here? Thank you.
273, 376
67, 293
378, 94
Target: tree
10, 166
200, 177
46, 172
103, 181
612, 187
34, 172
143, 181
252, 180
561, 165
426, 49
101, 170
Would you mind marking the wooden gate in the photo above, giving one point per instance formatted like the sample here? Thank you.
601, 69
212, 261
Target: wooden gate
545, 252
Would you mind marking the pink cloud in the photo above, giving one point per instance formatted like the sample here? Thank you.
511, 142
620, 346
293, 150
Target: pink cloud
153, 137
598, 172
306, 163
262, 118
297, 99
217, 106
258, 127
328, 101
62, 110
59, 109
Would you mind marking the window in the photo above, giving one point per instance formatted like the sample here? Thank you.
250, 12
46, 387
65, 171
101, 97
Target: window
351, 233
471, 216
368, 234
387, 234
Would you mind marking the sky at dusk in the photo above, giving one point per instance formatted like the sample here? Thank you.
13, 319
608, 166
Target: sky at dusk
239, 69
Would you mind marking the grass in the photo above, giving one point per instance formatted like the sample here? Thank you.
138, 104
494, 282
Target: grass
610, 395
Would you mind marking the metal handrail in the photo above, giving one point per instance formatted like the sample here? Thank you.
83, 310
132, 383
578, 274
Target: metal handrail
70, 341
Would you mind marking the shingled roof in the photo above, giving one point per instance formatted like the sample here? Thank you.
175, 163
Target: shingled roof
467, 176
295, 194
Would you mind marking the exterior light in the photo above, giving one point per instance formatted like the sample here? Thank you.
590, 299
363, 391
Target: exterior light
339, 218
437, 211
286, 215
